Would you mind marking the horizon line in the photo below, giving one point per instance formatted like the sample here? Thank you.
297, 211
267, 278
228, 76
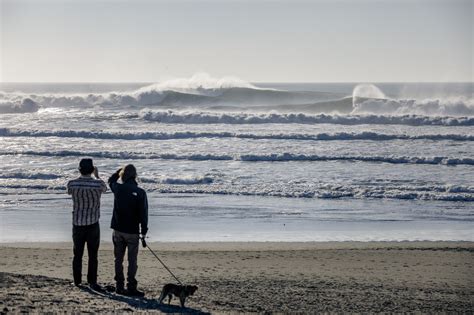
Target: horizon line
252, 82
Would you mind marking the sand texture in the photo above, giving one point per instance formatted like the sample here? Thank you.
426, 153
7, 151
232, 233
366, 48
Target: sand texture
253, 277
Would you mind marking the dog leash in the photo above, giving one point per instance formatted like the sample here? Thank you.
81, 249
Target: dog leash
144, 244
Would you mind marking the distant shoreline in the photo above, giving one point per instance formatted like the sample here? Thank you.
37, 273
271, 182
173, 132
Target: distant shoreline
263, 246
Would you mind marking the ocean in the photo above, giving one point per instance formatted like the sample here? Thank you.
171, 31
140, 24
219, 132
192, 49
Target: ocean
228, 160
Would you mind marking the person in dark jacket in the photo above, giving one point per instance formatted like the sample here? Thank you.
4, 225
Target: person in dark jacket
129, 220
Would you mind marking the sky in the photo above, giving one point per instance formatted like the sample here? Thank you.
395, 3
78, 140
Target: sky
258, 41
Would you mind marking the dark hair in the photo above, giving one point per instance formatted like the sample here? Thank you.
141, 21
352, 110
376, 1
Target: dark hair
128, 171
86, 166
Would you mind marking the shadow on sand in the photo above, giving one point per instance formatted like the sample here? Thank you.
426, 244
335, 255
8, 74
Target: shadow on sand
143, 303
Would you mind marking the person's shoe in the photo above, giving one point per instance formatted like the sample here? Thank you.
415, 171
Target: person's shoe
135, 293
109, 288
96, 287
76, 284
120, 291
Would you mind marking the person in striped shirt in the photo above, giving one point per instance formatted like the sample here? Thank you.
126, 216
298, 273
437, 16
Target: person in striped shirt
86, 192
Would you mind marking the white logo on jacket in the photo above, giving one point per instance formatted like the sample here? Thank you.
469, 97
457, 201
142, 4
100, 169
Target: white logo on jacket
135, 194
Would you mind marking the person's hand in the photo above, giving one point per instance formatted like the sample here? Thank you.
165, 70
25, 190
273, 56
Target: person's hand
96, 172
143, 241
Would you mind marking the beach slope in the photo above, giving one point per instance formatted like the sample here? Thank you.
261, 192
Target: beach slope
253, 277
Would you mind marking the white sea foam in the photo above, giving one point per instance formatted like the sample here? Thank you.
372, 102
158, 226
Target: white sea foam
183, 180
23, 105
200, 88
367, 91
344, 136
205, 185
277, 157
286, 157
232, 94
369, 99
199, 117
20, 175
198, 83
189, 180
427, 107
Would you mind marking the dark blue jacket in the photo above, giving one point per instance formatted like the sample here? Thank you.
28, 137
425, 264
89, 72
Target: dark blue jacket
130, 206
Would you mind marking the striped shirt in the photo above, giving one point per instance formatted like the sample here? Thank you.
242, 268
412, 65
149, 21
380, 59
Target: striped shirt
86, 192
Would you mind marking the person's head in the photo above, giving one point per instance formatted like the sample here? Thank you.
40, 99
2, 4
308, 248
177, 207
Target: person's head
128, 172
86, 167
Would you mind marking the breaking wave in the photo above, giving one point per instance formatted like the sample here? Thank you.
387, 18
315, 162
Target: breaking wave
201, 185
283, 157
401, 193
193, 117
41, 176
366, 135
199, 90
427, 107
185, 180
233, 95
25, 105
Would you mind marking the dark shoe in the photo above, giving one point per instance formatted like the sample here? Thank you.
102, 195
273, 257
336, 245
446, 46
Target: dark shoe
77, 284
135, 293
120, 291
109, 288
96, 287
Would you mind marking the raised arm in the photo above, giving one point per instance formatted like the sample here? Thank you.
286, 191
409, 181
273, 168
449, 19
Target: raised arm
113, 179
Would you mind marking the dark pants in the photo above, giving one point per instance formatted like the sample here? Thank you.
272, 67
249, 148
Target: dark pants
123, 241
81, 235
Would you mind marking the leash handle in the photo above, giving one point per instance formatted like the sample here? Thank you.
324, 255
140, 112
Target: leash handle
143, 241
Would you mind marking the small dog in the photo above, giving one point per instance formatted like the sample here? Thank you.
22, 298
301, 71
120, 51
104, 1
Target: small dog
180, 291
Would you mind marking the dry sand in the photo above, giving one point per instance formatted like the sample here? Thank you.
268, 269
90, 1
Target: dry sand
425, 277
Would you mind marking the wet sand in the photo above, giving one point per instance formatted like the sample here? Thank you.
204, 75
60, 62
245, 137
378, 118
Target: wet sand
425, 277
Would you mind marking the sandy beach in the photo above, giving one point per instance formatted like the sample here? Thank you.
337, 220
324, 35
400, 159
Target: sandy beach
425, 277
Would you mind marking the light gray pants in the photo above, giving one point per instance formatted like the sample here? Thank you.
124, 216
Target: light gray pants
123, 241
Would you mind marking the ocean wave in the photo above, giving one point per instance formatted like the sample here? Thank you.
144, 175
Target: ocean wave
19, 175
331, 191
21, 106
286, 157
276, 157
33, 187
367, 135
196, 117
406, 192
230, 94
198, 90
426, 107
240, 97
184, 180
205, 185
369, 99
321, 194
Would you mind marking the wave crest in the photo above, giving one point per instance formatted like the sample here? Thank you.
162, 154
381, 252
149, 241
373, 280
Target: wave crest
339, 136
19, 106
453, 107
199, 82
197, 117
274, 157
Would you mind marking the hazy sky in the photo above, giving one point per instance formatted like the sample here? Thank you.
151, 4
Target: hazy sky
269, 41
